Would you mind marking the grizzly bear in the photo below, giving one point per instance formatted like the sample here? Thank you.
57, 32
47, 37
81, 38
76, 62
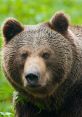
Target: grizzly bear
43, 63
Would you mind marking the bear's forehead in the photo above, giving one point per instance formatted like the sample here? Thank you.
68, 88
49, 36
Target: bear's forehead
39, 30
36, 36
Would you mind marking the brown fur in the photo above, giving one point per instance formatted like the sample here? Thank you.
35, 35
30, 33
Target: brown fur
55, 50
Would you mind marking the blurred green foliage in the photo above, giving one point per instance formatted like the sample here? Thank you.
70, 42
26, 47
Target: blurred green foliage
31, 12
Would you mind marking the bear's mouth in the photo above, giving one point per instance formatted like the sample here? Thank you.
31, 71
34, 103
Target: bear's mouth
34, 87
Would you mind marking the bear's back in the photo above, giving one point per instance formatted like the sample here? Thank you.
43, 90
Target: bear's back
77, 30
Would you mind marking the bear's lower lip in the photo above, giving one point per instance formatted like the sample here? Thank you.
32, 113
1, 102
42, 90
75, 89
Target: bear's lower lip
35, 88
39, 90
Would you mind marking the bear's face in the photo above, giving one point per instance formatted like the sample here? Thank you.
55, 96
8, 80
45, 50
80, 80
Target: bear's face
37, 58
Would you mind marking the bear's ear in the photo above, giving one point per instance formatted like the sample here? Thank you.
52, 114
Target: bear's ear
60, 22
10, 28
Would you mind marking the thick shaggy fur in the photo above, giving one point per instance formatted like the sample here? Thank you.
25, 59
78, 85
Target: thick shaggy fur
55, 49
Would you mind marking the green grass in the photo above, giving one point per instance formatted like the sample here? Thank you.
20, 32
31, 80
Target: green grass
31, 12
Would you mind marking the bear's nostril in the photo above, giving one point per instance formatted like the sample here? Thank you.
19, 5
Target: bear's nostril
32, 78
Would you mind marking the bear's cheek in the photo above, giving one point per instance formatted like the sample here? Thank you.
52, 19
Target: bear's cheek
55, 70
19, 65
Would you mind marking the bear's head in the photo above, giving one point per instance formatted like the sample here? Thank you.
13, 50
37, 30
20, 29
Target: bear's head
37, 58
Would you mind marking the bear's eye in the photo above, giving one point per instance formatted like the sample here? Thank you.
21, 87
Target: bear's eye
46, 55
24, 55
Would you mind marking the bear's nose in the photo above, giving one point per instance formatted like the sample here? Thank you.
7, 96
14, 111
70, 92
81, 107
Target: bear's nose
32, 78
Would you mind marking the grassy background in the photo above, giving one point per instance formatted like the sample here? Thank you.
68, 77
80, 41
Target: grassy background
31, 12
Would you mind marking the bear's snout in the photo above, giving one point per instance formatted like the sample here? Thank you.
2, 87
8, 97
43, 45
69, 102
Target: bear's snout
32, 75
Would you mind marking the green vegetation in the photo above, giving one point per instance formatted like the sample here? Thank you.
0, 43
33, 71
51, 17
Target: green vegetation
31, 12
